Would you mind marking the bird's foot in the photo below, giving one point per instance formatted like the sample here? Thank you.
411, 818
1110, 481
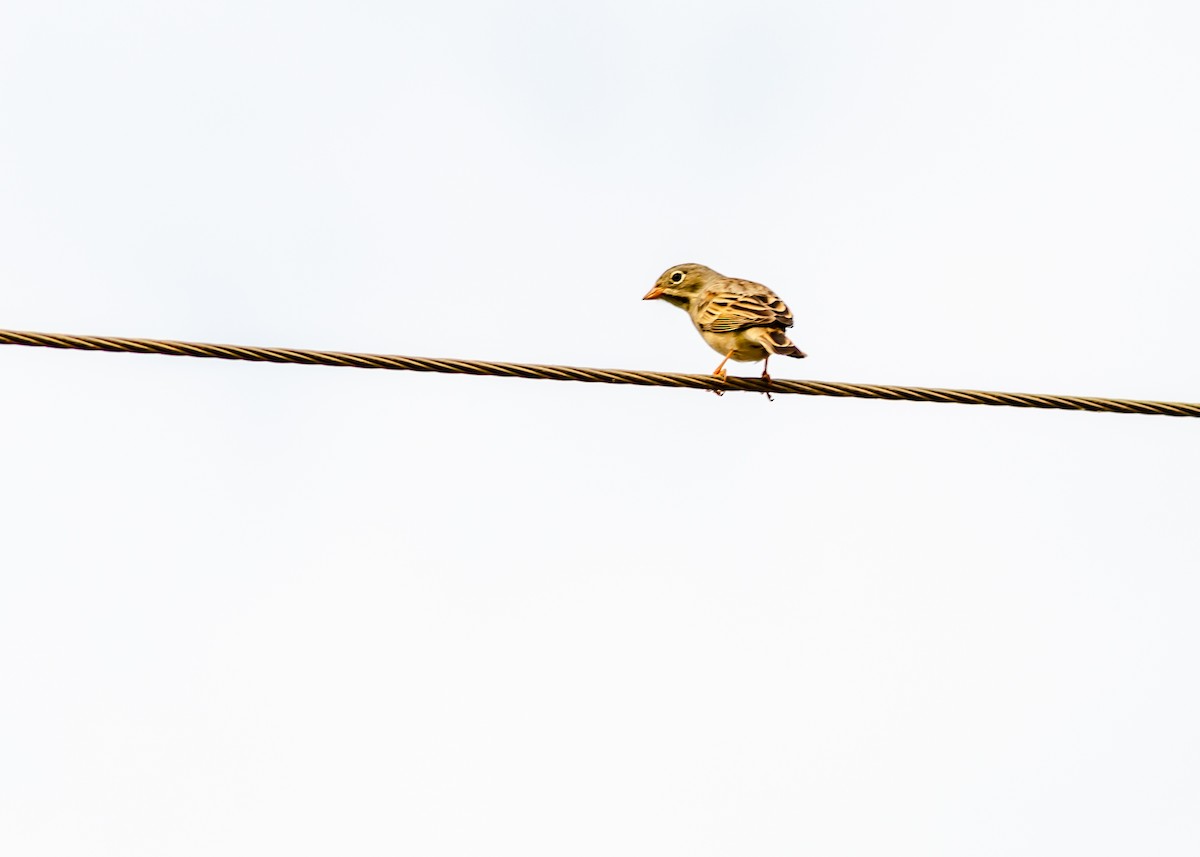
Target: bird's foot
721, 375
767, 379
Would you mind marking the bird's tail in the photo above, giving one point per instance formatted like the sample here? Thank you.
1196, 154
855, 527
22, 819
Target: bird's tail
777, 342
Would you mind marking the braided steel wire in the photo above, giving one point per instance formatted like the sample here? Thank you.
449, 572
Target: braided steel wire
597, 376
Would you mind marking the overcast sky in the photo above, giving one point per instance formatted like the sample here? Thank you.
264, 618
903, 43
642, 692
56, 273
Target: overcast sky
251, 609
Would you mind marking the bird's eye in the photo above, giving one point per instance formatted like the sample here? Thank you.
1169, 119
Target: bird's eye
677, 277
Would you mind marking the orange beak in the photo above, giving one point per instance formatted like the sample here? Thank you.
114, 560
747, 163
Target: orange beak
654, 293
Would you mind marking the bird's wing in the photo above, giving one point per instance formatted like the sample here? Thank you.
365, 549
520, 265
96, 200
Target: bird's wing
738, 304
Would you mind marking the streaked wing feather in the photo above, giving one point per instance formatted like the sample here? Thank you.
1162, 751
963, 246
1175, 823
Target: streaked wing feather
743, 304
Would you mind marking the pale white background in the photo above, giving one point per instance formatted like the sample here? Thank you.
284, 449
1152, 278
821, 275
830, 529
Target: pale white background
251, 609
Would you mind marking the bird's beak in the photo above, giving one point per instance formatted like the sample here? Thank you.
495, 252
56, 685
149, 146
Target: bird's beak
654, 293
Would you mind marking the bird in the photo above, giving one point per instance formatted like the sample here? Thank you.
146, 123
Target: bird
740, 319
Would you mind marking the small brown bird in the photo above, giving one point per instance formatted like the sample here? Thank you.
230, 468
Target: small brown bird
741, 320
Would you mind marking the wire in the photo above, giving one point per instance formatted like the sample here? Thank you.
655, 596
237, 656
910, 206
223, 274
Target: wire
598, 376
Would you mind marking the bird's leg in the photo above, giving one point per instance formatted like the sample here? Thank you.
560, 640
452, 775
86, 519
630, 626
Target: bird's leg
766, 377
720, 371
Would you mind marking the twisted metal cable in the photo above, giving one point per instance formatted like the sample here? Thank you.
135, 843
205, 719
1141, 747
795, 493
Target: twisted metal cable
599, 376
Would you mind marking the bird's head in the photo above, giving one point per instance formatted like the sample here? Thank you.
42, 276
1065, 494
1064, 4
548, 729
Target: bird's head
680, 284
